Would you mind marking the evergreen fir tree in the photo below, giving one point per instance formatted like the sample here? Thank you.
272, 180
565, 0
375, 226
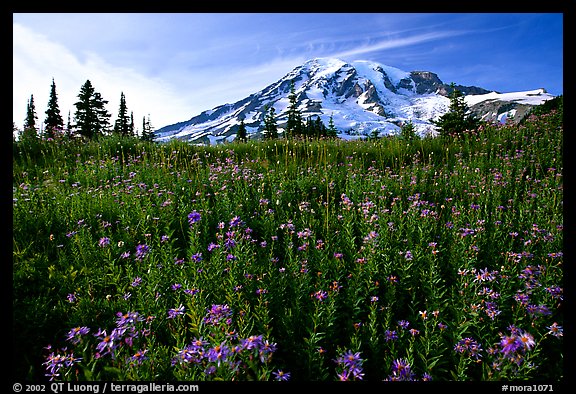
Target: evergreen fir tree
314, 128
408, 131
147, 130
91, 115
131, 128
331, 131
122, 124
242, 134
294, 125
29, 130
457, 119
270, 126
53, 120
31, 117
69, 132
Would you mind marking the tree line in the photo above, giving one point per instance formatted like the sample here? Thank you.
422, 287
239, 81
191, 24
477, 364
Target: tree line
91, 118
296, 126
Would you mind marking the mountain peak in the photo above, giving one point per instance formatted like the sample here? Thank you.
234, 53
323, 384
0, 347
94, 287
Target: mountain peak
361, 97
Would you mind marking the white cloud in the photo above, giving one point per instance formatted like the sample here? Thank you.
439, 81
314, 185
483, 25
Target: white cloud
394, 43
36, 60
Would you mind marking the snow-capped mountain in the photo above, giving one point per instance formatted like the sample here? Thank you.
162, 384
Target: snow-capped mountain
360, 96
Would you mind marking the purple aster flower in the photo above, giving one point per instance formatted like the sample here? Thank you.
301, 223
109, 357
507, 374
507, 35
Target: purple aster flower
556, 330
212, 246
236, 222
320, 295
265, 351
107, 342
535, 310
401, 371
253, 341
138, 357
217, 313
510, 345
404, 324
351, 365
218, 353
55, 362
191, 291
104, 241
390, 335
75, 334
469, 346
142, 251
193, 217
136, 282
281, 375
172, 313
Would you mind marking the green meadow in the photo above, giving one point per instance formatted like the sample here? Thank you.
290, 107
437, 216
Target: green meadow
378, 260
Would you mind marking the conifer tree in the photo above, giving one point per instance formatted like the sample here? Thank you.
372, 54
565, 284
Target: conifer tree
31, 117
122, 124
69, 131
91, 115
147, 130
29, 130
331, 131
294, 125
53, 120
242, 135
131, 128
270, 126
408, 131
457, 119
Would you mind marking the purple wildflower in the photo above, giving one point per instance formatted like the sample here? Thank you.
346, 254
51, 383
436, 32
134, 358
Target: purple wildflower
403, 324
469, 346
556, 330
172, 313
218, 353
142, 251
390, 335
138, 357
75, 334
55, 362
104, 241
401, 371
217, 313
71, 298
351, 365
236, 222
253, 341
193, 217
281, 375
320, 295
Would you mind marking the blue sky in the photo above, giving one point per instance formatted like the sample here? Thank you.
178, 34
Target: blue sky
174, 66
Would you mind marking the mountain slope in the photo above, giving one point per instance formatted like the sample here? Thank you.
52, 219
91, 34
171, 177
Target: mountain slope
361, 97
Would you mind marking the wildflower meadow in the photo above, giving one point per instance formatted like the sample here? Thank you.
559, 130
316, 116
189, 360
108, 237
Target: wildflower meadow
438, 259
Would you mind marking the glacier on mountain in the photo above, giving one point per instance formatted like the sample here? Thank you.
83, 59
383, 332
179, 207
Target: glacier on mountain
362, 98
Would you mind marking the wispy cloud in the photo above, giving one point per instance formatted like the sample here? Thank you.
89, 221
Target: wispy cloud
34, 54
398, 42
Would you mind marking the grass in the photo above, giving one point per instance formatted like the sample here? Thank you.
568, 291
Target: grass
438, 259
